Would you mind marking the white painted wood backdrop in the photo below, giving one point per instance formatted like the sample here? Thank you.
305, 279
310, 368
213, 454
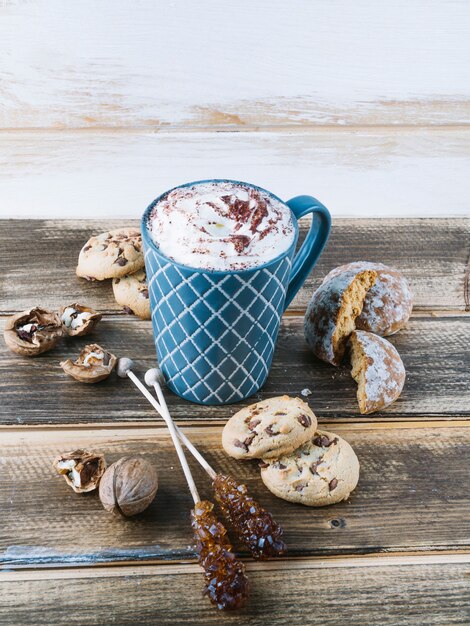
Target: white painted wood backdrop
104, 104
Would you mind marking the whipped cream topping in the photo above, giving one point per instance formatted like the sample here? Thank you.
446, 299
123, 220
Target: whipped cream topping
221, 226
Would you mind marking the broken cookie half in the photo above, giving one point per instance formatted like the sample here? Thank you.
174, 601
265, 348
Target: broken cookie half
93, 364
332, 312
378, 370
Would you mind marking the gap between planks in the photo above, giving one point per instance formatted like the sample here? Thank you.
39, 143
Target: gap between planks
293, 563
148, 428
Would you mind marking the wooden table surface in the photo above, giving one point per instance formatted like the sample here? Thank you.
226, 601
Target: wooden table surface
397, 552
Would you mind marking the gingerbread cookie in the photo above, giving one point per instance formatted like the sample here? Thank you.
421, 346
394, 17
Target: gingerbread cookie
332, 311
112, 254
269, 428
323, 470
388, 303
132, 293
378, 370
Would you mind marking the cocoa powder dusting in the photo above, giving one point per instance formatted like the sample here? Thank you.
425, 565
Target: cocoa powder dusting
240, 242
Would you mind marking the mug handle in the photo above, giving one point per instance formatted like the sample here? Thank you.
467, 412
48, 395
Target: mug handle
314, 242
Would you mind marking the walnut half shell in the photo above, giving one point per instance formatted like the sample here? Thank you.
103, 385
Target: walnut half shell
128, 486
93, 364
78, 320
82, 470
32, 332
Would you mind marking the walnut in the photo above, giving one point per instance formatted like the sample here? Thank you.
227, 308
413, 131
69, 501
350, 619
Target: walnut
78, 320
93, 364
82, 470
128, 486
32, 332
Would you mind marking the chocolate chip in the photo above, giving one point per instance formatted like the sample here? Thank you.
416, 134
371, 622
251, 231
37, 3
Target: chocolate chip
263, 464
249, 439
281, 466
86, 248
145, 293
333, 484
240, 444
269, 430
128, 310
280, 413
117, 280
300, 487
253, 424
121, 261
322, 441
305, 420
313, 467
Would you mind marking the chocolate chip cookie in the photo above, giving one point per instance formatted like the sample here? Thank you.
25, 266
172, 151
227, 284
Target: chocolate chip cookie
112, 254
323, 470
269, 428
132, 293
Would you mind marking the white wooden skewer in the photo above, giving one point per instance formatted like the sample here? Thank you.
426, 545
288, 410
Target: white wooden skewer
123, 370
151, 376
151, 379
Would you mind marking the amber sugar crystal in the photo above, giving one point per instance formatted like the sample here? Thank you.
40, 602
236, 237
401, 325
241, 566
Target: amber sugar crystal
253, 525
226, 582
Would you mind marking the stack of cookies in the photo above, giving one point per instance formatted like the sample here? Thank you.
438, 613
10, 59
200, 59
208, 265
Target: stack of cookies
358, 304
298, 462
117, 255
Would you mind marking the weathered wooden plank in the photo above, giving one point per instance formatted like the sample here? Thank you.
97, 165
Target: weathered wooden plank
413, 495
38, 260
435, 352
419, 594
356, 69
391, 172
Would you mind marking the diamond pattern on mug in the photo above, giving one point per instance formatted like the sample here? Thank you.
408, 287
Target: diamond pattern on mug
215, 333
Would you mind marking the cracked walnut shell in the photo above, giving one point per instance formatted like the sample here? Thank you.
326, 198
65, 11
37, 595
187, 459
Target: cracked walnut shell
93, 364
32, 332
128, 486
82, 470
78, 320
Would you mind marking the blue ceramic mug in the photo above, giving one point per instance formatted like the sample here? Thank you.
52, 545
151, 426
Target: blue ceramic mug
215, 331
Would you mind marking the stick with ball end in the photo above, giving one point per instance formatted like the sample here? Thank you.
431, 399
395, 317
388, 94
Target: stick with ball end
253, 525
226, 581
